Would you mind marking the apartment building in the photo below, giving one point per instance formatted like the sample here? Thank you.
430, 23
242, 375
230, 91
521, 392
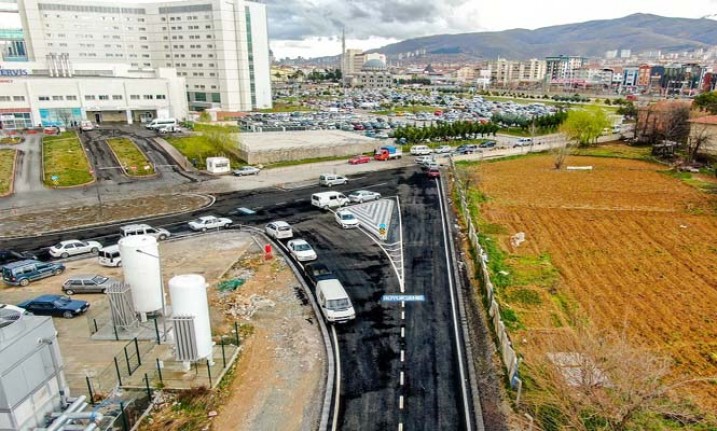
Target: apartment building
220, 47
507, 72
562, 68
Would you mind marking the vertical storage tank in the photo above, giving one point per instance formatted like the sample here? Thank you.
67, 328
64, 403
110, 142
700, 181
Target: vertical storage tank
188, 293
141, 266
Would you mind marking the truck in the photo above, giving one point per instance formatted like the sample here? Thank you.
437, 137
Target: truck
388, 152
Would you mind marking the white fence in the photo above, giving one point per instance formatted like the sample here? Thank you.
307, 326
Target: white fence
505, 345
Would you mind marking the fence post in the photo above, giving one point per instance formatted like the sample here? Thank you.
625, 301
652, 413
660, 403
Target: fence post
224, 358
236, 331
149, 390
119, 375
136, 349
89, 389
125, 425
114, 329
156, 331
209, 373
159, 372
96, 329
126, 358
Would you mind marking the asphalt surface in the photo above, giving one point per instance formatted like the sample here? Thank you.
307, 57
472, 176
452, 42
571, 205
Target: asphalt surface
373, 394
28, 173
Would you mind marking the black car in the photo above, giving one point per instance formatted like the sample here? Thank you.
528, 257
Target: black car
55, 305
487, 144
467, 149
318, 271
10, 256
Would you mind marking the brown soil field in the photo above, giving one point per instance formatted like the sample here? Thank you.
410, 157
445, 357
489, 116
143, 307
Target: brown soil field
626, 246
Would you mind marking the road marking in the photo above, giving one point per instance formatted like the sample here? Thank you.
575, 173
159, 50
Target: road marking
403, 315
403, 332
400, 426
403, 355
401, 378
403, 304
400, 402
280, 203
335, 424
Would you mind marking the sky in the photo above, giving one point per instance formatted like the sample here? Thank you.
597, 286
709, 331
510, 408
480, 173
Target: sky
312, 28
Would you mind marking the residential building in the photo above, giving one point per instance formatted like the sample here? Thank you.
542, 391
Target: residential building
54, 93
561, 69
509, 72
220, 47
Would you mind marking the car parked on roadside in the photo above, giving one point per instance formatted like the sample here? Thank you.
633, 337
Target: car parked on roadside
444, 149
279, 230
361, 196
144, 229
433, 173
422, 160
467, 149
55, 305
332, 180
21, 273
209, 222
318, 271
522, 142
359, 159
346, 219
246, 170
74, 247
420, 150
301, 250
10, 256
87, 283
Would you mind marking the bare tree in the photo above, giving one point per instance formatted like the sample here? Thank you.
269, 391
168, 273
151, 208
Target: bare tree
560, 153
675, 124
598, 377
700, 136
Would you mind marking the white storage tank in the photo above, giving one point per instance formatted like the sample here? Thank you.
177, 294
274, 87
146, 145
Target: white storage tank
141, 267
188, 293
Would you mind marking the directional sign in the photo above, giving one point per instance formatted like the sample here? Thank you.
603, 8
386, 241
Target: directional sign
403, 298
382, 230
55, 177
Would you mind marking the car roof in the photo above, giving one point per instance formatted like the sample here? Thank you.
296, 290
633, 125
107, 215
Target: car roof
70, 240
280, 223
332, 288
298, 241
135, 226
85, 276
110, 248
46, 298
21, 263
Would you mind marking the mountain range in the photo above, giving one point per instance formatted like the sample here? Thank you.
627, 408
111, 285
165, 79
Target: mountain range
637, 32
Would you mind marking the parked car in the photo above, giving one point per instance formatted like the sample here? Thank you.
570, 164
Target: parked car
88, 283
301, 250
73, 247
429, 165
10, 256
434, 173
21, 273
487, 144
346, 219
444, 149
422, 160
332, 180
144, 229
318, 271
360, 159
210, 222
467, 149
420, 150
522, 142
279, 229
246, 170
361, 196
55, 305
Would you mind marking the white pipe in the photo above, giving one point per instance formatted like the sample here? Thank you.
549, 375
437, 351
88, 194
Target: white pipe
60, 421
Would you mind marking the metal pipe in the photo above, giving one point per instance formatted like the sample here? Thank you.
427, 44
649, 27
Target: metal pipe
60, 421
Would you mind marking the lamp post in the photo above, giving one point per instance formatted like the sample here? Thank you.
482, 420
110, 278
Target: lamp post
161, 288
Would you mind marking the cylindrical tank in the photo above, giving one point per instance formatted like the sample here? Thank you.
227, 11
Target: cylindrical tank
141, 267
188, 293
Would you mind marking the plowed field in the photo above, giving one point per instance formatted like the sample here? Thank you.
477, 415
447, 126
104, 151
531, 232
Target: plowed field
634, 249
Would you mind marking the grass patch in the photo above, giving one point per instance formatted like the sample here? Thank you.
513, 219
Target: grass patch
10, 140
615, 150
204, 127
197, 148
510, 318
691, 180
533, 270
524, 296
130, 156
62, 156
7, 160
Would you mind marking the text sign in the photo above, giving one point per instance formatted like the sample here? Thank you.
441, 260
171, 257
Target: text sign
403, 298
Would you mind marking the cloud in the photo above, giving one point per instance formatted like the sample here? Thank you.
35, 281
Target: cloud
362, 19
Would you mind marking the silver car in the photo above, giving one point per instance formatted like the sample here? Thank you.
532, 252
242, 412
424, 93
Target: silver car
88, 283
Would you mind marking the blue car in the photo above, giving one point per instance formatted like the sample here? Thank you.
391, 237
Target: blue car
55, 305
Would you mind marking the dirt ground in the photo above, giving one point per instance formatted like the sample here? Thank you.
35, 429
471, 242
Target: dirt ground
279, 377
631, 248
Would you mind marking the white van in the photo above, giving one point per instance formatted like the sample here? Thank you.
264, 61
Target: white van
157, 124
326, 200
332, 180
334, 301
420, 150
144, 229
109, 256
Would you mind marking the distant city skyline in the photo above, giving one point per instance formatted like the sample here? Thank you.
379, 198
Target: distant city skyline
312, 28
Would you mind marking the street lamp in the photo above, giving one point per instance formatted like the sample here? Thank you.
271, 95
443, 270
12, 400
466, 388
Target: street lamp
161, 288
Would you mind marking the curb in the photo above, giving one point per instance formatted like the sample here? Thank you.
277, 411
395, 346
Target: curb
119, 162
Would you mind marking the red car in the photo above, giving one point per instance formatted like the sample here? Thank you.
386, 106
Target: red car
434, 173
356, 160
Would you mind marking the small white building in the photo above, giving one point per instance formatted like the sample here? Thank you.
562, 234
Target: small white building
218, 165
59, 93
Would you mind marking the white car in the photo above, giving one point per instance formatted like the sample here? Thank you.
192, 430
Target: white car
301, 250
444, 149
73, 247
246, 170
424, 160
361, 196
279, 229
346, 219
209, 222
87, 126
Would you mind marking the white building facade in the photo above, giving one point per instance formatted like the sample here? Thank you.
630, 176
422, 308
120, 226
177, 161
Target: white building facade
220, 47
51, 94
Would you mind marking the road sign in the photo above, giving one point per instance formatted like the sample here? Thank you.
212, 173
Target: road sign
403, 298
382, 230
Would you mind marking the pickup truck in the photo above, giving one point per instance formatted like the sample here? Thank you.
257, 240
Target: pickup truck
388, 152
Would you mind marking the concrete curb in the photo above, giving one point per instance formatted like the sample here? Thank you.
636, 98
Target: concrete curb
119, 162
11, 190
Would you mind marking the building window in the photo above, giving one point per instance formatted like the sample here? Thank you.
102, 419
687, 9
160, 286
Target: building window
200, 97
116, 97
18, 98
70, 97
43, 98
89, 97
160, 97
134, 96
104, 97
148, 97
57, 98
216, 98
4, 98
